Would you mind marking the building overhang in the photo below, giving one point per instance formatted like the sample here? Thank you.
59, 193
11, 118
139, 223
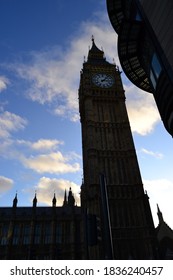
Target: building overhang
129, 50
117, 10
130, 42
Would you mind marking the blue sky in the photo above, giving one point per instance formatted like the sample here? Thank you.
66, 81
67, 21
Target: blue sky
42, 49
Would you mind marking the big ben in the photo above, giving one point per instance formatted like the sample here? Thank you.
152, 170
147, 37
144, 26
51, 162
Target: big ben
108, 150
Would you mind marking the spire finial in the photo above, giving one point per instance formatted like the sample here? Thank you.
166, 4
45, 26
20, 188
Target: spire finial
92, 38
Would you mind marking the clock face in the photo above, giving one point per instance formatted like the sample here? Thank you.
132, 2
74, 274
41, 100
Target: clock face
103, 80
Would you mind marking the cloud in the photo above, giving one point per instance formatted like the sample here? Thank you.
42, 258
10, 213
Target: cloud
151, 153
3, 83
9, 123
54, 72
46, 188
160, 192
5, 184
142, 110
41, 144
51, 163
41, 156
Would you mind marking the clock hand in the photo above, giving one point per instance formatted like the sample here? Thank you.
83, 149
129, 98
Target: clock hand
104, 79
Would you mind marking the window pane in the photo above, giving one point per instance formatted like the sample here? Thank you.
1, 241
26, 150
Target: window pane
4, 234
37, 237
26, 234
16, 234
156, 66
47, 233
58, 233
152, 78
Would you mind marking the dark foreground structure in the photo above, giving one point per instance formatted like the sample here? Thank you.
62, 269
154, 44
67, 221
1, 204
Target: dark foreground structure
145, 35
114, 220
40, 233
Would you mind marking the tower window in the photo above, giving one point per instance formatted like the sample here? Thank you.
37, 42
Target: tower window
26, 234
37, 237
59, 233
47, 233
16, 234
4, 234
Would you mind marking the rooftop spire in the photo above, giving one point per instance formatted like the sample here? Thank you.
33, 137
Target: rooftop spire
71, 200
65, 198
35, 201
15, 201
95, 55
54, 201
160, 216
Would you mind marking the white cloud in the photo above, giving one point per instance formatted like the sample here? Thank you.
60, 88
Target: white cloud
160, 192
47, 144
9, 151
9, 123
46, 188
151, 153
142, 110
45, 157
54, 75
41, 144
5, 184
3, 83
51, 163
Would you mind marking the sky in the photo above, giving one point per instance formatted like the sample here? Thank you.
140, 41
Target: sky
42, 48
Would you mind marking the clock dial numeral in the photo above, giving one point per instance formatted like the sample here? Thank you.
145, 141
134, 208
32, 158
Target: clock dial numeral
103, 80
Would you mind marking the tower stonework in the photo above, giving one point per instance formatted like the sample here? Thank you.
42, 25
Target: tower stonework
108, 149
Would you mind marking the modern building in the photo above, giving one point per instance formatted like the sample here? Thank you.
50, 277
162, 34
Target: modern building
145, 35
114, 220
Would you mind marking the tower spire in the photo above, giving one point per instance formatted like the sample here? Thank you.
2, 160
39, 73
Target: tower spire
54, 201
35, 201
65, 198
95, 55
160, 216
71, 200
15, 200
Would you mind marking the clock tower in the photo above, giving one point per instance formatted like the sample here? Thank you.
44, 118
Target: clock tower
120, 215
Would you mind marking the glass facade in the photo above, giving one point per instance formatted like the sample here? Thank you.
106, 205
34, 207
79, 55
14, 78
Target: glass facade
155, 70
